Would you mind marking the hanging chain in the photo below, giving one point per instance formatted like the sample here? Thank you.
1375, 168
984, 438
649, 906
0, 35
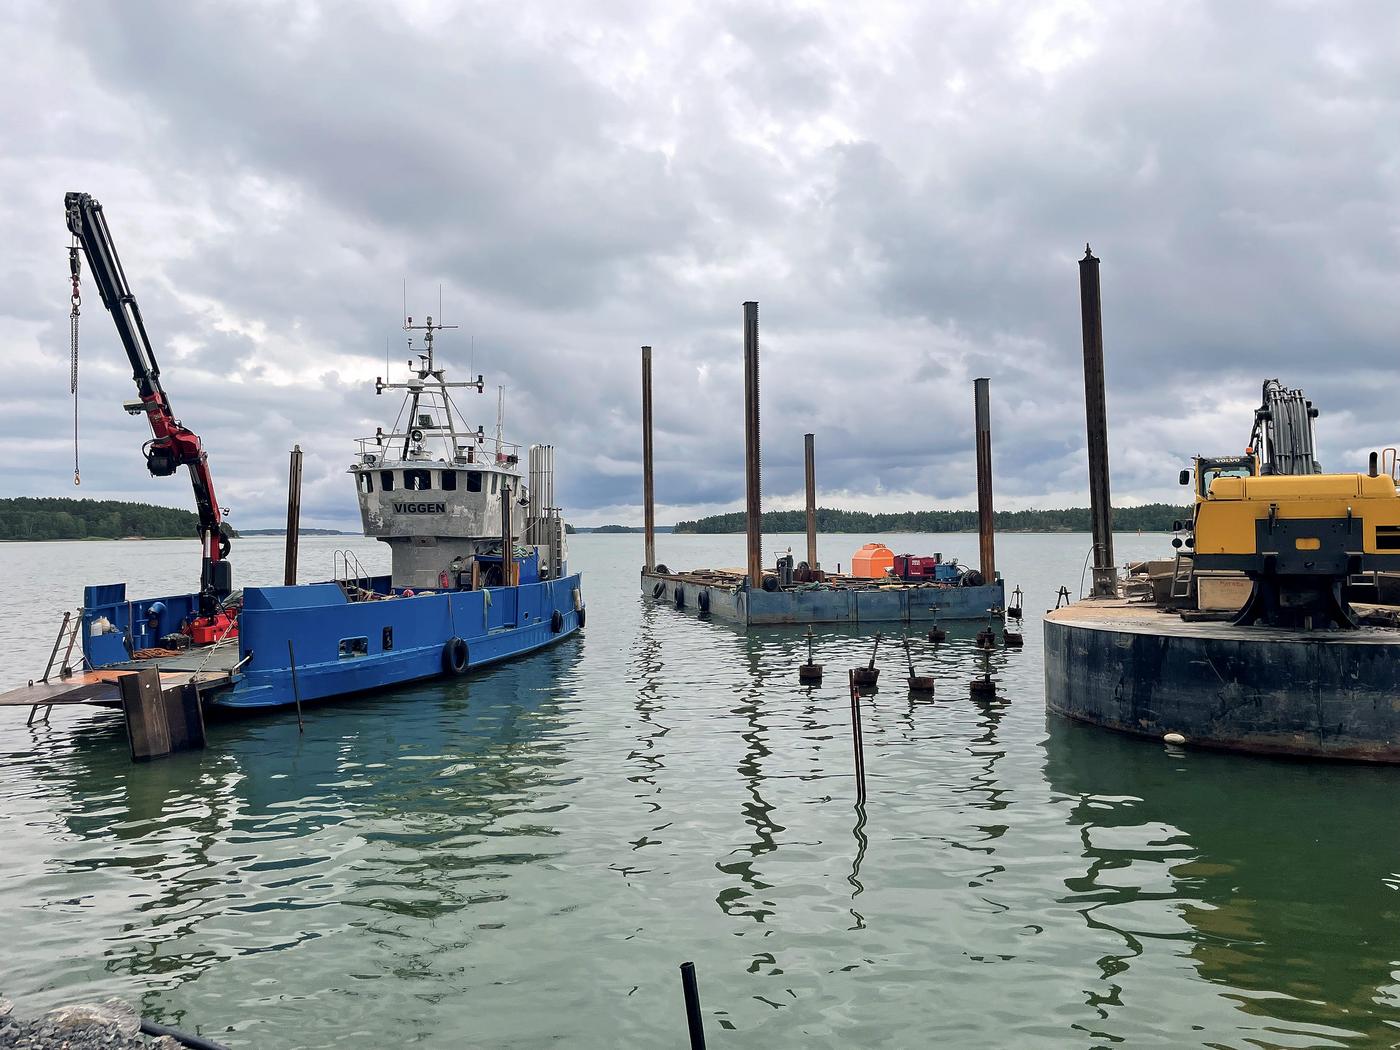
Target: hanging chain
75, 268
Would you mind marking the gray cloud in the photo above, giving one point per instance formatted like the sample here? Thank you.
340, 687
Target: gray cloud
905, 191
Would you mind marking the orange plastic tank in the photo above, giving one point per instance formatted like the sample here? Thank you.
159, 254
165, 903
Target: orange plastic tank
873, 561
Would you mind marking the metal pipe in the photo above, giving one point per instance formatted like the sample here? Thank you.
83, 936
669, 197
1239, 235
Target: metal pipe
648, 491
693, 1019
194, 1042
857, 736
986, 528
507, 540
811, 458
1096, 417
752, 469
289, 572
296, 689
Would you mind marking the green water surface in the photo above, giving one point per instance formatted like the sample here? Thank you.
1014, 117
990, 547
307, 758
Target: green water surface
522, 858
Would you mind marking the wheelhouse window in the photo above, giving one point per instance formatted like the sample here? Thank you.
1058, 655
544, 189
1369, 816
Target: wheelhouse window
386, 480
495, 479
366, 481
417, 480
449, 481
473, 481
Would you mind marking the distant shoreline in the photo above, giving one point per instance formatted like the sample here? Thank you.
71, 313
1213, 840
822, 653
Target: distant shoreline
1150, 517
98, 539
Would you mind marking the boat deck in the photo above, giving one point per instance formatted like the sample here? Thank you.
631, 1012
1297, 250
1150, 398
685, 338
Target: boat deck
211, 668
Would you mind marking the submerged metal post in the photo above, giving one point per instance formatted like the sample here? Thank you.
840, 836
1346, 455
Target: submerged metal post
507, 540
289, 573
1096, 416
693, 1019
648, 493
857, 736
811, 458
296, 688
752, 480
986, 530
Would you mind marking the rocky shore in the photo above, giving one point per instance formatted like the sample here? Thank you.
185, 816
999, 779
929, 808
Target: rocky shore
112, 1025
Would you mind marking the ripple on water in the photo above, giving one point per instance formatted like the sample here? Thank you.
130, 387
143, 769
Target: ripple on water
522, 858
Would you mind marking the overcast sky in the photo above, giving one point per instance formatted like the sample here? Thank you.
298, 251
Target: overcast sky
904, 189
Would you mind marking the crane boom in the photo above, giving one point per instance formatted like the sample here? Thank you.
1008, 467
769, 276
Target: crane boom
172, 445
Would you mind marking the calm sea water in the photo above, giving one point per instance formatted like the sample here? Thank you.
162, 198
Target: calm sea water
521, 859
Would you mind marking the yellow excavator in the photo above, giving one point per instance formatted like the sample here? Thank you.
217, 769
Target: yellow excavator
1299, 534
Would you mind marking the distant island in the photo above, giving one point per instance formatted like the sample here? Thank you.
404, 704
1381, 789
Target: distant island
1152, 517
301, 532
27, 518
613, 529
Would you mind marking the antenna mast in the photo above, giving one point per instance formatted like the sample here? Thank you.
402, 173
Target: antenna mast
500, 419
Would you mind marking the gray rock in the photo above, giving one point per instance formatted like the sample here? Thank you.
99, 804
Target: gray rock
6, 1008
165, 1042
113, 1014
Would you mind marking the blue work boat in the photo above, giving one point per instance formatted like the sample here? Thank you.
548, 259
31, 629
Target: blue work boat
479, 574
479, 569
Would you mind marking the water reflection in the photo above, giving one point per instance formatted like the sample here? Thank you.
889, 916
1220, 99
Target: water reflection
1277, 880
389, 815
647, 674
757, 812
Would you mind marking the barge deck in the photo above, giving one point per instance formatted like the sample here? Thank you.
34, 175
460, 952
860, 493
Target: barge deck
1125, 664
726, 594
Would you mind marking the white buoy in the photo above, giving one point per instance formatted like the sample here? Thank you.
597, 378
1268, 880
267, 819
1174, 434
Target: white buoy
1173, 738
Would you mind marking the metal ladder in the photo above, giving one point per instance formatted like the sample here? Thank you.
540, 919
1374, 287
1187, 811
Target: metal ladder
350, 575
1181, 582
67, 632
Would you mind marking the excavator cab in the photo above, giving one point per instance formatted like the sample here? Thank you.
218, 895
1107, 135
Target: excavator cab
1207, 469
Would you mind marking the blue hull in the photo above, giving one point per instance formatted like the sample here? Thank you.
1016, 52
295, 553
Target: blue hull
344, 647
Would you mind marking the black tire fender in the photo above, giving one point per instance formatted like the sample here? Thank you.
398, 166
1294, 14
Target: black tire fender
582, 609
703, 600
455, 657
680, 597
556, 621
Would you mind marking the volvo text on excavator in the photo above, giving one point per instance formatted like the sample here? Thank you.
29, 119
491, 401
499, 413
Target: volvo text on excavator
172, 445
1299, 534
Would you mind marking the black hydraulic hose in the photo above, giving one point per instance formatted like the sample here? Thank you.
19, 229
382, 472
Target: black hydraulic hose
183, 1038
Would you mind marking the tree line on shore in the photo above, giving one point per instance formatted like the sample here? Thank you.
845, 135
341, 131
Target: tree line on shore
1151, 517
28, 518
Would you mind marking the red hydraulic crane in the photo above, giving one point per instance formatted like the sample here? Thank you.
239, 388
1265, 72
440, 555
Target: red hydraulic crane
173, 445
